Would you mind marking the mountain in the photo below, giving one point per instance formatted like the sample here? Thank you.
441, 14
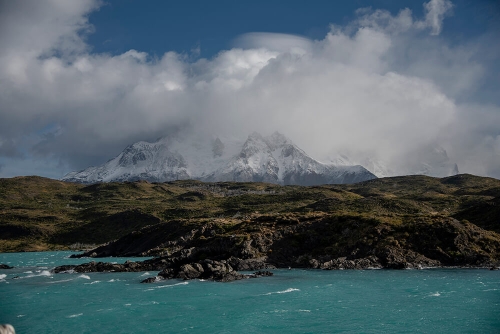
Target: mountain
273, 159
429, 160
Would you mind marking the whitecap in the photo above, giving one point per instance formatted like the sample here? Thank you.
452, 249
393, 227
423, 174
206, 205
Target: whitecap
2, 276
21, 315
437, 294
64, 280
70, 271
94, 282
280, 292
28, 272
40, 273
74, 315
145, 274
127, 304
305, 311
171, 285
84, 276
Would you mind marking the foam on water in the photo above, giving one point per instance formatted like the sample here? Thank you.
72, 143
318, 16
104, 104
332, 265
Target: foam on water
61, 281
280, 292
2, 276
94, 282
84, 276
171, 285
74, 315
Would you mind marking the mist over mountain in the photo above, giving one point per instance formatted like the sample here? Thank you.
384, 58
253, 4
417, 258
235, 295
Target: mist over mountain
431, 160
273, 159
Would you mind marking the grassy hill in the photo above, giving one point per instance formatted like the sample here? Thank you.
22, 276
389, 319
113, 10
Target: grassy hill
42, 214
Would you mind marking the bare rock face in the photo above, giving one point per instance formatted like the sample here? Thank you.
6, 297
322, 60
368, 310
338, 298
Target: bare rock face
320, 241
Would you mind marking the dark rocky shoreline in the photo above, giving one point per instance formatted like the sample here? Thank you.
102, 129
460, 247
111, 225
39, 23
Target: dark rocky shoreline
228, 270
315, 241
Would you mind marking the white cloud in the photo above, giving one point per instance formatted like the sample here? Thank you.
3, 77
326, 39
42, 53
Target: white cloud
358, 89
435, 10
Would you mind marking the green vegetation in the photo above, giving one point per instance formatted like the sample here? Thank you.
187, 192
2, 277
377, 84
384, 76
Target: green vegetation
42, 214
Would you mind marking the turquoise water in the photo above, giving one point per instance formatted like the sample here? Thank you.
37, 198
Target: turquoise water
293, 301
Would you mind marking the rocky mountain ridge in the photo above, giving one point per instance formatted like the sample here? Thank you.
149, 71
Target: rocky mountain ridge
273, 159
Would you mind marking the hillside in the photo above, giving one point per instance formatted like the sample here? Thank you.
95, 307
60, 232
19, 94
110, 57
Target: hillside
43, 214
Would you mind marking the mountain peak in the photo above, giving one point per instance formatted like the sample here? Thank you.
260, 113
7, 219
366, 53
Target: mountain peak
272, 159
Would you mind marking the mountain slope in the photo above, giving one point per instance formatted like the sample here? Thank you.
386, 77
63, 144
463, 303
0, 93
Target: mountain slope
273, 159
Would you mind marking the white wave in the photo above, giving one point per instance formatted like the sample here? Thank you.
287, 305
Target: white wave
28, 272
45, 273
437, 294
94, 282
308, 311
279, 292
64, 280
127, 304
171, 285
2, 276
21, 315
84, 276
145, 274
74, 315
70, 271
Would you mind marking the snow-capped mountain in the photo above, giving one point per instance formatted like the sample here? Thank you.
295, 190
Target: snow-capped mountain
272, 159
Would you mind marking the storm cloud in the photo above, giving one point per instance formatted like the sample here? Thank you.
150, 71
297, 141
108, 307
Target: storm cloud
382, 86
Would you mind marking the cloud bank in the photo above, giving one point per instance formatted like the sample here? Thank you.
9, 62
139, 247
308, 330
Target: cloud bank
382, 86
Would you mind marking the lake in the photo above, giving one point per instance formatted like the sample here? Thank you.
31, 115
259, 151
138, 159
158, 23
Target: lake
291, 301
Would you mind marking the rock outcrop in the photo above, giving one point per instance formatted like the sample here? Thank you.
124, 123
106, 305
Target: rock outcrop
321, 241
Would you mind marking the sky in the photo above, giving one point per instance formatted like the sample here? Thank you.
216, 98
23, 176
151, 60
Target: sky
81, 80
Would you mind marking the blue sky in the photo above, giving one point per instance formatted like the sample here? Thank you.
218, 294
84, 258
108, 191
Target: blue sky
160, 26
79, 81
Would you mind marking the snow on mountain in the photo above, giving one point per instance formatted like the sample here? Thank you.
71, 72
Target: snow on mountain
273, 159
